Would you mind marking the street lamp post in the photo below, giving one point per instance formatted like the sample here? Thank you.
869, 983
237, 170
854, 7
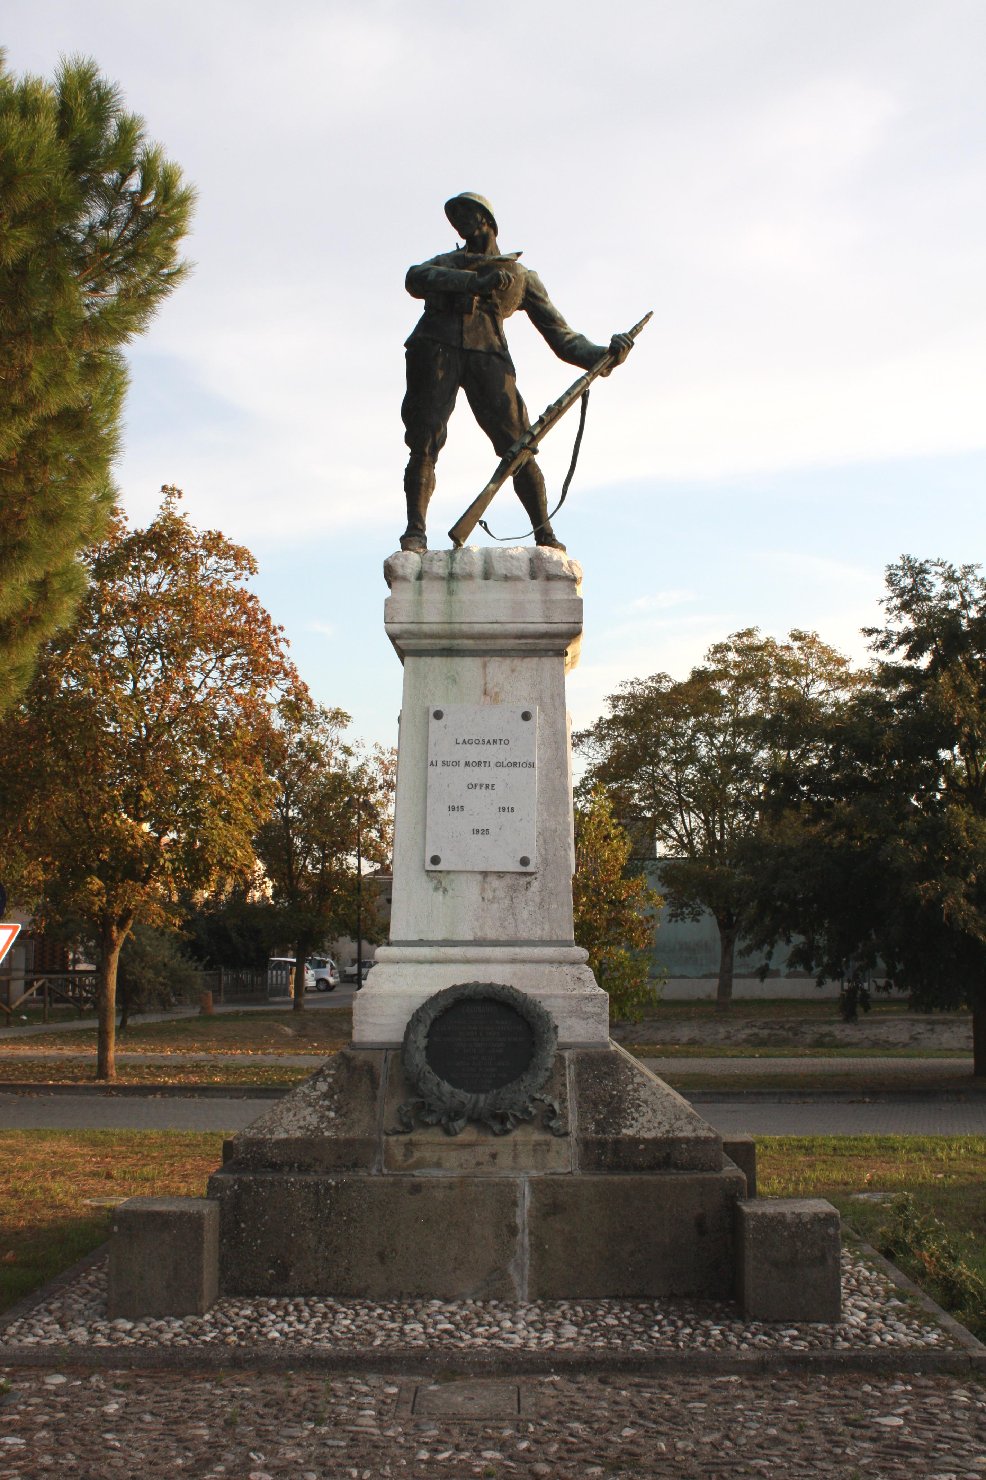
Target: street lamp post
359, 897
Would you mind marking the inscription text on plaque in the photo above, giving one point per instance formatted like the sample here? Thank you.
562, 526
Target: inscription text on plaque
480, 1045
482, 788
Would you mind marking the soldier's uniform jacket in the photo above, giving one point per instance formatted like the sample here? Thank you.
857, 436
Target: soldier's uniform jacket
456, 316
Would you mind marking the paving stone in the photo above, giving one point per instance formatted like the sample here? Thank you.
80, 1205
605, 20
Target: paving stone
793, 1425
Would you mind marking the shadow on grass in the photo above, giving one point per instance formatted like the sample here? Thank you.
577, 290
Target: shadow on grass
44, 1250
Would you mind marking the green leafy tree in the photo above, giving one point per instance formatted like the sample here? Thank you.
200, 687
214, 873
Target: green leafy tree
134, 763
155, 972
879, 856
234, 926
331, 813
91, 220
688, 763
614, 908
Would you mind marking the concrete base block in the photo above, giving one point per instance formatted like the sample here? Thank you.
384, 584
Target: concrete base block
788, 1259
318, 1196
742, 1150
478, 1237
164, 1257
629, 1120
371, 1237
633, 1237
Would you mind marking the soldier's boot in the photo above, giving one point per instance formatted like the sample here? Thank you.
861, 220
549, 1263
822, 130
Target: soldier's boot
529, 488
419, 485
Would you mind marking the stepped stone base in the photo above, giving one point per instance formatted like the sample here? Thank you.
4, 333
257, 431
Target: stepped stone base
637, 1200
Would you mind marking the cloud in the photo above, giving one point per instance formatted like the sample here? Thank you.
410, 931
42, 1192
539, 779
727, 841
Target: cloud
807, 226
659, 601
794, 189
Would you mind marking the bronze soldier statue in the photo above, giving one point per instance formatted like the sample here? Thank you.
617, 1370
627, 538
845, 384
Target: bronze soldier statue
459, 341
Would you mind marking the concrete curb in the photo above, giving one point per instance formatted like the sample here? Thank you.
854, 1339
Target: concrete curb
904, 1283
408, 1363
415, 1362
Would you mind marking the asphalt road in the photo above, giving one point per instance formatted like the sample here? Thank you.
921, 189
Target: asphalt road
187, 1113
848, 1118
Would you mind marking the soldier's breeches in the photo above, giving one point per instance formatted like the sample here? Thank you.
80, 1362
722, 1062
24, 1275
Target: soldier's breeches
435, 372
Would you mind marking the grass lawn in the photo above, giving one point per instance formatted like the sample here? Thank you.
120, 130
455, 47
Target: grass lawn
28, 1013
319, 1031
52, 1178
813, 1009
945, 1175
656, 1050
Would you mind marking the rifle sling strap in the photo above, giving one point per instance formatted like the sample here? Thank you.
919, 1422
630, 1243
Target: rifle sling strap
504, 538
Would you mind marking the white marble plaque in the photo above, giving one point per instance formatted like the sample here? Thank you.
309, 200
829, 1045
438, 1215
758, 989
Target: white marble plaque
482, 788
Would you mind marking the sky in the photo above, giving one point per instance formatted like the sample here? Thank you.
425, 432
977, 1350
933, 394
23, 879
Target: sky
797, 190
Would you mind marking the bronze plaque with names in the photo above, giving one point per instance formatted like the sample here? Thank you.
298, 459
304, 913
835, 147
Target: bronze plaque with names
480, 1045
479, 1051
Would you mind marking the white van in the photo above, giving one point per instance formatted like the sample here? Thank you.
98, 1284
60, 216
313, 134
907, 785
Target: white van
280, 971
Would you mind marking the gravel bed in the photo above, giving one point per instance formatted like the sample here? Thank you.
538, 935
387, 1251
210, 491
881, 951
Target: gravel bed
874, 1318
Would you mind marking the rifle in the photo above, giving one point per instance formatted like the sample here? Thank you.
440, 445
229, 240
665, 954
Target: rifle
526, 446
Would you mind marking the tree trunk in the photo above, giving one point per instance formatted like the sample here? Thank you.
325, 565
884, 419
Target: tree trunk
979, 1041
301, 953
111, 938
727, 951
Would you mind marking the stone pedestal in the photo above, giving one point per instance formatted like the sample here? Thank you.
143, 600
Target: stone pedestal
323, 1195
483, 627
622, 1189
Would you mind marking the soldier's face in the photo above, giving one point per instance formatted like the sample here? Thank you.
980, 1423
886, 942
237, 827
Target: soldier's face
469, 219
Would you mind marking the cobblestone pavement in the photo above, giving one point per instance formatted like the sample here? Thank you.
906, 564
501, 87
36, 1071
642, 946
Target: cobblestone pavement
309, 1427
875, 1320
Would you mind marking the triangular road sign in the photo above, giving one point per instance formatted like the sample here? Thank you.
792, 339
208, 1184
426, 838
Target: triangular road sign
8, 934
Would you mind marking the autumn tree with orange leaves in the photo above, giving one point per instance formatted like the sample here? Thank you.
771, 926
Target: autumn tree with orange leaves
133, 765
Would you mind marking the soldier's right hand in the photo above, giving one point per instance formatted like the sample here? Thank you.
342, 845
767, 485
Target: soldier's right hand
491, 280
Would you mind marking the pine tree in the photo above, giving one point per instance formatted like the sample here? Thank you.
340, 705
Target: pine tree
91, 218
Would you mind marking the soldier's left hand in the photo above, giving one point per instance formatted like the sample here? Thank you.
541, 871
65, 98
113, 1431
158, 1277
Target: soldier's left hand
619, 347
492, 280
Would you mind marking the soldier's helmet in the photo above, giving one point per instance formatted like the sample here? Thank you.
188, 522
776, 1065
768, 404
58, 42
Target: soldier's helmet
474, 199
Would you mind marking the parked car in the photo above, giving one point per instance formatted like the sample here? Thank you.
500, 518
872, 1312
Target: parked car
325, 973
280, 970
349, 972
